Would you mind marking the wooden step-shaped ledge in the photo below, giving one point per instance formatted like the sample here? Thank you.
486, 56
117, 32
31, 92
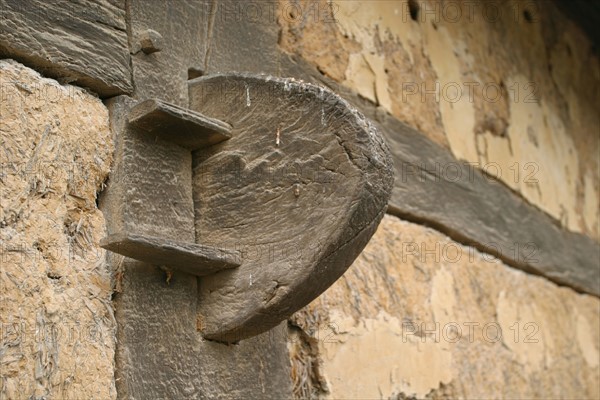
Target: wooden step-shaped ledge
184, 127
192, 258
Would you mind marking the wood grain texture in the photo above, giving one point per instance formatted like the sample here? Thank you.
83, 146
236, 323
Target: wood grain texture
81, 42
243, 37
160, 352
162, 356
182, 25
187, 257
435, 189
300, 188
150, 188
186, 128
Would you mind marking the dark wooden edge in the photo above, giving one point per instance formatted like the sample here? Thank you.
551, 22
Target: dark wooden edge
187, 257
83, 43
185, 127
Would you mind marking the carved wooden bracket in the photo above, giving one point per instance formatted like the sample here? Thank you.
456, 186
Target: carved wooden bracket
268, 188
159, 120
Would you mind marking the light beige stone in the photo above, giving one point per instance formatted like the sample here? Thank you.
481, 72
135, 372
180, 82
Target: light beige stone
372, 349
305, 34
390, 42
58, 328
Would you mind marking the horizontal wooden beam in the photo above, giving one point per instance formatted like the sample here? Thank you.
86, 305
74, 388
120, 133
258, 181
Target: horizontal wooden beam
477, 210
82, 42
471, 208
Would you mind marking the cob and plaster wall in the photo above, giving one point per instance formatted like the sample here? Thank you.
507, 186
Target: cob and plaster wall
56, 315
374, 333
510, 86
513, 88
420, 316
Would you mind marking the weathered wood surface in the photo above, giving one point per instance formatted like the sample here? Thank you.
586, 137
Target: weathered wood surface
299, 188
433, 188
187, 257
85, 43
82, 42
243, 37
156, 319
160, 352
186, 128
149, 189
183, 27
